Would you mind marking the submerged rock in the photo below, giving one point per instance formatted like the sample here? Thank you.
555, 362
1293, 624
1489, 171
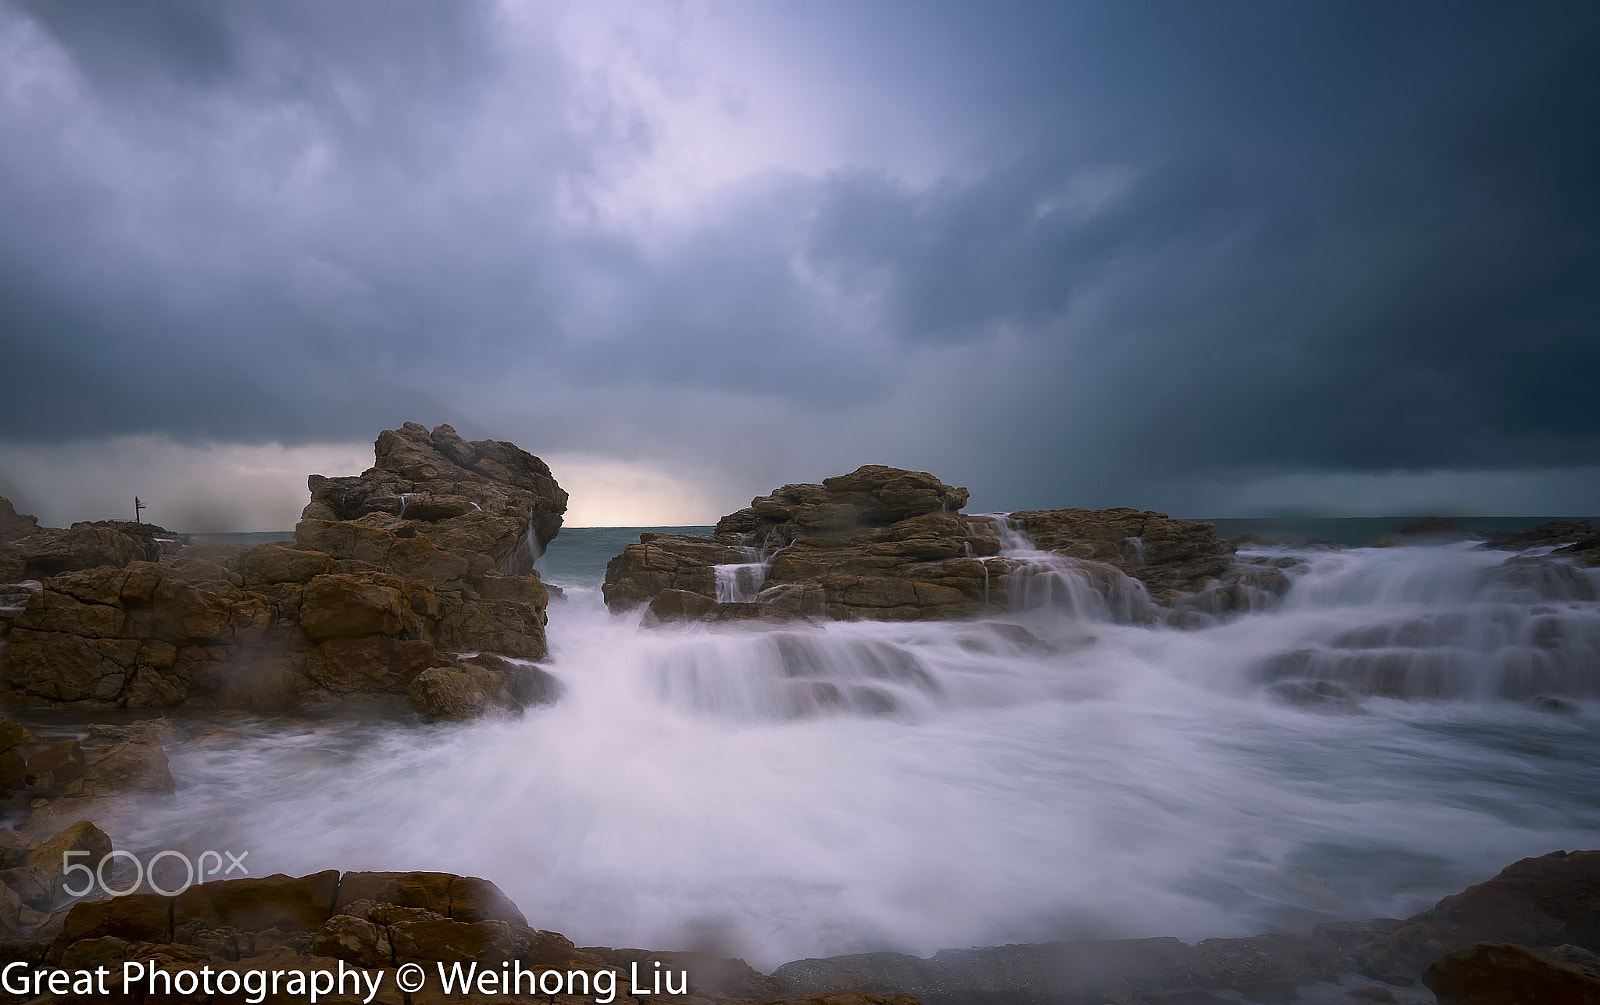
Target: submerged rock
427, 553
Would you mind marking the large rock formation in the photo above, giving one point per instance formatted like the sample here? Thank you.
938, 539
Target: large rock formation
426, 554
887, 544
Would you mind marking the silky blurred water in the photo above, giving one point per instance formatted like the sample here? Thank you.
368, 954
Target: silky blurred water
793, 792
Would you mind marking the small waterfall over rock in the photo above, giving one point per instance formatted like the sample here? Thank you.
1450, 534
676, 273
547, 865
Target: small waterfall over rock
741, 582
1036, 579
1441, 622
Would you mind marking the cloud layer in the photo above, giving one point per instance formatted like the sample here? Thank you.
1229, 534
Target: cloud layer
1066, 254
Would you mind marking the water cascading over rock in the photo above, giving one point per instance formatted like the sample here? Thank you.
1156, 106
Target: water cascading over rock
888, 544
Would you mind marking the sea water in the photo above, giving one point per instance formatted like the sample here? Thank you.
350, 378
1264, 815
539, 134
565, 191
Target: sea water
1042, 774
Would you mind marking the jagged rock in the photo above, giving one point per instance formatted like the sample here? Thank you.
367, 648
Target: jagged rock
356, 940
486, 496
891, 545
365, 601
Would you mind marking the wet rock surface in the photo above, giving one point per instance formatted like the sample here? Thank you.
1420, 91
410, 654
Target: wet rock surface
378, 921
427, 554
887, 544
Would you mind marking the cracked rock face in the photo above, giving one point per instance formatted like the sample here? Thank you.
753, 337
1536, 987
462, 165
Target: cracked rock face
426, 554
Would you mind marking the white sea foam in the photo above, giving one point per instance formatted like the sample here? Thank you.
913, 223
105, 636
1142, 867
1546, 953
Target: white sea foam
847, 787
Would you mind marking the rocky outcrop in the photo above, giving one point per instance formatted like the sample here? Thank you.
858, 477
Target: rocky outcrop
1548, 534
1168, 556
374, 923
28, 551
378, 921
887, 544
1507, 974
425, 555
1542, 903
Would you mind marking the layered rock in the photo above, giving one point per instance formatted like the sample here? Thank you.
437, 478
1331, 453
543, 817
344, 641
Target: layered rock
426, 555
887, 544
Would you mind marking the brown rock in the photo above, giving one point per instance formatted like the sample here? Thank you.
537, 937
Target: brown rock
375, 664
14, 525
1551, 900
15, 847
52, 856
138, 917
39, 887
555, 949
1500, 973
461, 898
10, 911
353, 606
13, 772
428, 890
355, 940
290, 904
15, 734
136, 766
487, 942
274, 563
55, 767
460, 693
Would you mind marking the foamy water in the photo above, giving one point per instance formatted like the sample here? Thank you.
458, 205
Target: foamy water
839, 788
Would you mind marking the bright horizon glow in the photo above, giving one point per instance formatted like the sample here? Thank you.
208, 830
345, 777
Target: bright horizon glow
261, 488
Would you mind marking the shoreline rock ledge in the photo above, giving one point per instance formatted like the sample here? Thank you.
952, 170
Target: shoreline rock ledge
412, 580
888, 544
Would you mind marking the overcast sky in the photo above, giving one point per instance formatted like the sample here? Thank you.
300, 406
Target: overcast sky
1226, 258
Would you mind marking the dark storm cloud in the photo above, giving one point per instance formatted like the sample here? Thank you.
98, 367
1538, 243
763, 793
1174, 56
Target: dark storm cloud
1057, 247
